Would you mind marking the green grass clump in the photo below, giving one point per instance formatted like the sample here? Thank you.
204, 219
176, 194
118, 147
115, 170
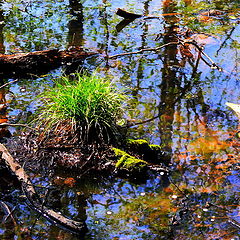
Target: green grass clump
90, 104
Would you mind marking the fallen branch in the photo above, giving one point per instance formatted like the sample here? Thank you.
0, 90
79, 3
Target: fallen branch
40, 61
122, 13
123, 24
128, 15
213, 65
33, 198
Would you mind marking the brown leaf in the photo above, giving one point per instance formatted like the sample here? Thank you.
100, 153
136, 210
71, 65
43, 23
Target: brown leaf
70, 182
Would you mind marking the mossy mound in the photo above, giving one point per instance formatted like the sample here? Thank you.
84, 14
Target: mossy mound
137, 156
141, 142
129, 163
148, 152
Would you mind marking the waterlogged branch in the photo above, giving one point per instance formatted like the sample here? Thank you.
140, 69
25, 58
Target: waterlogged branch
213, 65
128, 15
40, 62
122, 13
8, 83
33, 198
144, 50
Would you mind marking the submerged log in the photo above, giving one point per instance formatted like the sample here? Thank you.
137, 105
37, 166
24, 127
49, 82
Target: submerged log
33, 198
40, 62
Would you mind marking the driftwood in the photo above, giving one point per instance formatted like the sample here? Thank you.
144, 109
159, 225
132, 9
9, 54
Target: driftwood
33, 198
39, 62
128, 18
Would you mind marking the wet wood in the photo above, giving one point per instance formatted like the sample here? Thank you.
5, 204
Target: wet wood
7, 212
40, 61
33, 198
122, 13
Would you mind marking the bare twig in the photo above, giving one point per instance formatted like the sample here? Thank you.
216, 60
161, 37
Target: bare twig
209, 61
8, 83
144, 50
228, 37
142, 122
7, 212
213, 65
234, 223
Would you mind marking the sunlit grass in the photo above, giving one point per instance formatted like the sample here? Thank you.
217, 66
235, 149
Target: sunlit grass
89, 104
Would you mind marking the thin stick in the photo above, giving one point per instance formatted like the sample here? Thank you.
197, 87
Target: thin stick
7, 212
144, 50
213, 64
234, 223
142, 122
8, 83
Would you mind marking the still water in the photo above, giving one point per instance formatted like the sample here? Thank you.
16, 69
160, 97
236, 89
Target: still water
182, 96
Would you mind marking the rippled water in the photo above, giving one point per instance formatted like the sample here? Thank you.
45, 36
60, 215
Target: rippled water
200, 197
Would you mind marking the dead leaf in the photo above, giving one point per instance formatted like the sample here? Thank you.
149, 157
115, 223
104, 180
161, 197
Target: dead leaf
234, 107
70, 182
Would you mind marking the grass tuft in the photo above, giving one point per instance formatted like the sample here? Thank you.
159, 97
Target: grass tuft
91, 105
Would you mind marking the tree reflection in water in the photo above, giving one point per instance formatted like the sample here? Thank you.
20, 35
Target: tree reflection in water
200, 198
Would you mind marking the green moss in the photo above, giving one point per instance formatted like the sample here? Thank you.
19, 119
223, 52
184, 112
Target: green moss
148, 152
155, 147
128, 162
131, 163
118, 152
137, 142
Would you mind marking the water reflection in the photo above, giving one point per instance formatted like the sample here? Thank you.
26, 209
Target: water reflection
180, 93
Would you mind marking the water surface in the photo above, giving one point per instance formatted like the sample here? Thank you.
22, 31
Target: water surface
200, 197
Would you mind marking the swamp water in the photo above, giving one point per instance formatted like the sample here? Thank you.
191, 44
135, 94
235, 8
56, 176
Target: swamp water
179, 98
